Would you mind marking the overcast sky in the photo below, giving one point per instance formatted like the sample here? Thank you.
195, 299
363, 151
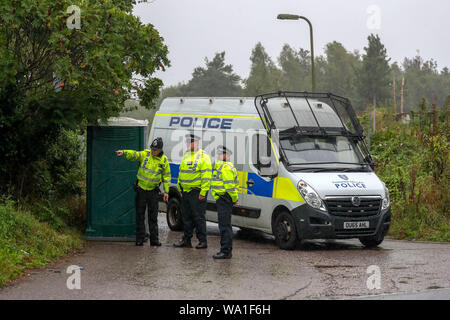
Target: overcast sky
195, 29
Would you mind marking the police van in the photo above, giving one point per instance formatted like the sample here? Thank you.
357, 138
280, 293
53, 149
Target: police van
304, 169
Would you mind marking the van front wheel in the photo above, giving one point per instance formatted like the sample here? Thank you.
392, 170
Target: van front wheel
285, 231
371, 242
174, 215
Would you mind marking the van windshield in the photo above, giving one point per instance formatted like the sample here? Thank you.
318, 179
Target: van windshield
334, 151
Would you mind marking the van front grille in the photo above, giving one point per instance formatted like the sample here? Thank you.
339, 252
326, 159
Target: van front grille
343, 207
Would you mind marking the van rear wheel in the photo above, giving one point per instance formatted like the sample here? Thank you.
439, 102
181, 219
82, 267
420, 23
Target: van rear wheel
285, 231
174, 215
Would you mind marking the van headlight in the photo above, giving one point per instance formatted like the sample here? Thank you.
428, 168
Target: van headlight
310, 195
386, 201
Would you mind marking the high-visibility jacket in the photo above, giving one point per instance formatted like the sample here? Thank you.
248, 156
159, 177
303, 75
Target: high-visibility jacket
152, 170
225, 180
195, 172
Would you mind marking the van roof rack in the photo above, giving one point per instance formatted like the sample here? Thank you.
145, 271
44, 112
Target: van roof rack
347, 125
345, 122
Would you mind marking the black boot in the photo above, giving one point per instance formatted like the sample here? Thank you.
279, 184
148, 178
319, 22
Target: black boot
202, 245
183, 244
139, 243
155, 243
222, 255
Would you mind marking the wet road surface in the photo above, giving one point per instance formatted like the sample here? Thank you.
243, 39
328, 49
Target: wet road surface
258, 270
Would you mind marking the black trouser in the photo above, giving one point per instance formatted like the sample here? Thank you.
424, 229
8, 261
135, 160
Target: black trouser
193, 215
146, 198
224, 209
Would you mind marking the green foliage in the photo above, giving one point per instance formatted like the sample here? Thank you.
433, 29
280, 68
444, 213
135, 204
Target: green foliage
56, 174
413, 160
364, 79
295, 68
374, 77
216, 80
25, 242
339, 72
423, 80
54, 77
264, 75
134, 110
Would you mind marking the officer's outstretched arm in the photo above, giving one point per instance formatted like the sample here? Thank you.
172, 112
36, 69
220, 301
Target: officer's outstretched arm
133, 155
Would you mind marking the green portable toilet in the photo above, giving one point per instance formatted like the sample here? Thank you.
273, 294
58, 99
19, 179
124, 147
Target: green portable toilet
110, 195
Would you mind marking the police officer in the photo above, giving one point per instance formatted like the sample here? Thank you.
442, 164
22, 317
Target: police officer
194, 181
224, 188
154, 169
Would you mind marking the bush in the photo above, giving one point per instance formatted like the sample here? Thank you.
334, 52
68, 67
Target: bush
26, 242
413, 160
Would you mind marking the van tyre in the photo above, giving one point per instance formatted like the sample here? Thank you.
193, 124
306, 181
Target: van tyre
285, 231
371, 242
174, 215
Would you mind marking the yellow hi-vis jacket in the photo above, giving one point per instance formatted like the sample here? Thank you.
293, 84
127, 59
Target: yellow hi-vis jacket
152, 170
195, 172
225, 180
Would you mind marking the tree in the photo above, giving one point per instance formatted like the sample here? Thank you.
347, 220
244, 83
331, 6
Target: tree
264, 75
423, 80
374, 77
54, 75
217, 79
295, 68
340, 71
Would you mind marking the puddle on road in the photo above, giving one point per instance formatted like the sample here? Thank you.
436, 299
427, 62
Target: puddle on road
334, 266
434, 287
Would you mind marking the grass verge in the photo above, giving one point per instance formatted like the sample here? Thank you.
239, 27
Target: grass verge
26, 242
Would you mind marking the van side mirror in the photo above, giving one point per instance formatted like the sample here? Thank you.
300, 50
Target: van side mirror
264, 162
370, 161
267, 168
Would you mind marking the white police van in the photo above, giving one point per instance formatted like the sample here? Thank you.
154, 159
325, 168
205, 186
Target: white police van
304, 169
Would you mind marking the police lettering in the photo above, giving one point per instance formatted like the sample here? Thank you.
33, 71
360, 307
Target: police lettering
344, 185
200, 122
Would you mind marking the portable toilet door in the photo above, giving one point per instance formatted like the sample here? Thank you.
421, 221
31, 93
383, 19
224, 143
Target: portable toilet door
110, 197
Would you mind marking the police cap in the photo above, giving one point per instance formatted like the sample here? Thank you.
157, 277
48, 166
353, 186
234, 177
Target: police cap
222, 149
157, 144
192, 137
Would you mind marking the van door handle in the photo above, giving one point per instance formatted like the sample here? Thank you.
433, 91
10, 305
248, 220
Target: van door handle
250, 183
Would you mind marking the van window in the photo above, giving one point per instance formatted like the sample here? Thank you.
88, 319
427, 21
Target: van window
262, 155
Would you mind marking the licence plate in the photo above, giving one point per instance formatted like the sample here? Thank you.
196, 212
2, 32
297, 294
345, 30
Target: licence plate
357, 225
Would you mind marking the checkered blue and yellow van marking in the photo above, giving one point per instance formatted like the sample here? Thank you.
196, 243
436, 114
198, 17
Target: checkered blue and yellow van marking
278, 188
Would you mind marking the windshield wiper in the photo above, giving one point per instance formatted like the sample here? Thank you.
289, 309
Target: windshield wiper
314, 169
328, 169
332, 162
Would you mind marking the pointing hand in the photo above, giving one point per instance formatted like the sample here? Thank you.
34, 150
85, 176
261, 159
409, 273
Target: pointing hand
119, 153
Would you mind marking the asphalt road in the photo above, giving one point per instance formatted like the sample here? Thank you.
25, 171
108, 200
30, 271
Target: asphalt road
258, 270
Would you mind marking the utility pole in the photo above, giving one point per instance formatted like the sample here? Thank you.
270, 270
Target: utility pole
402, 96
395, 97
374, 113
296, 17
368, 130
